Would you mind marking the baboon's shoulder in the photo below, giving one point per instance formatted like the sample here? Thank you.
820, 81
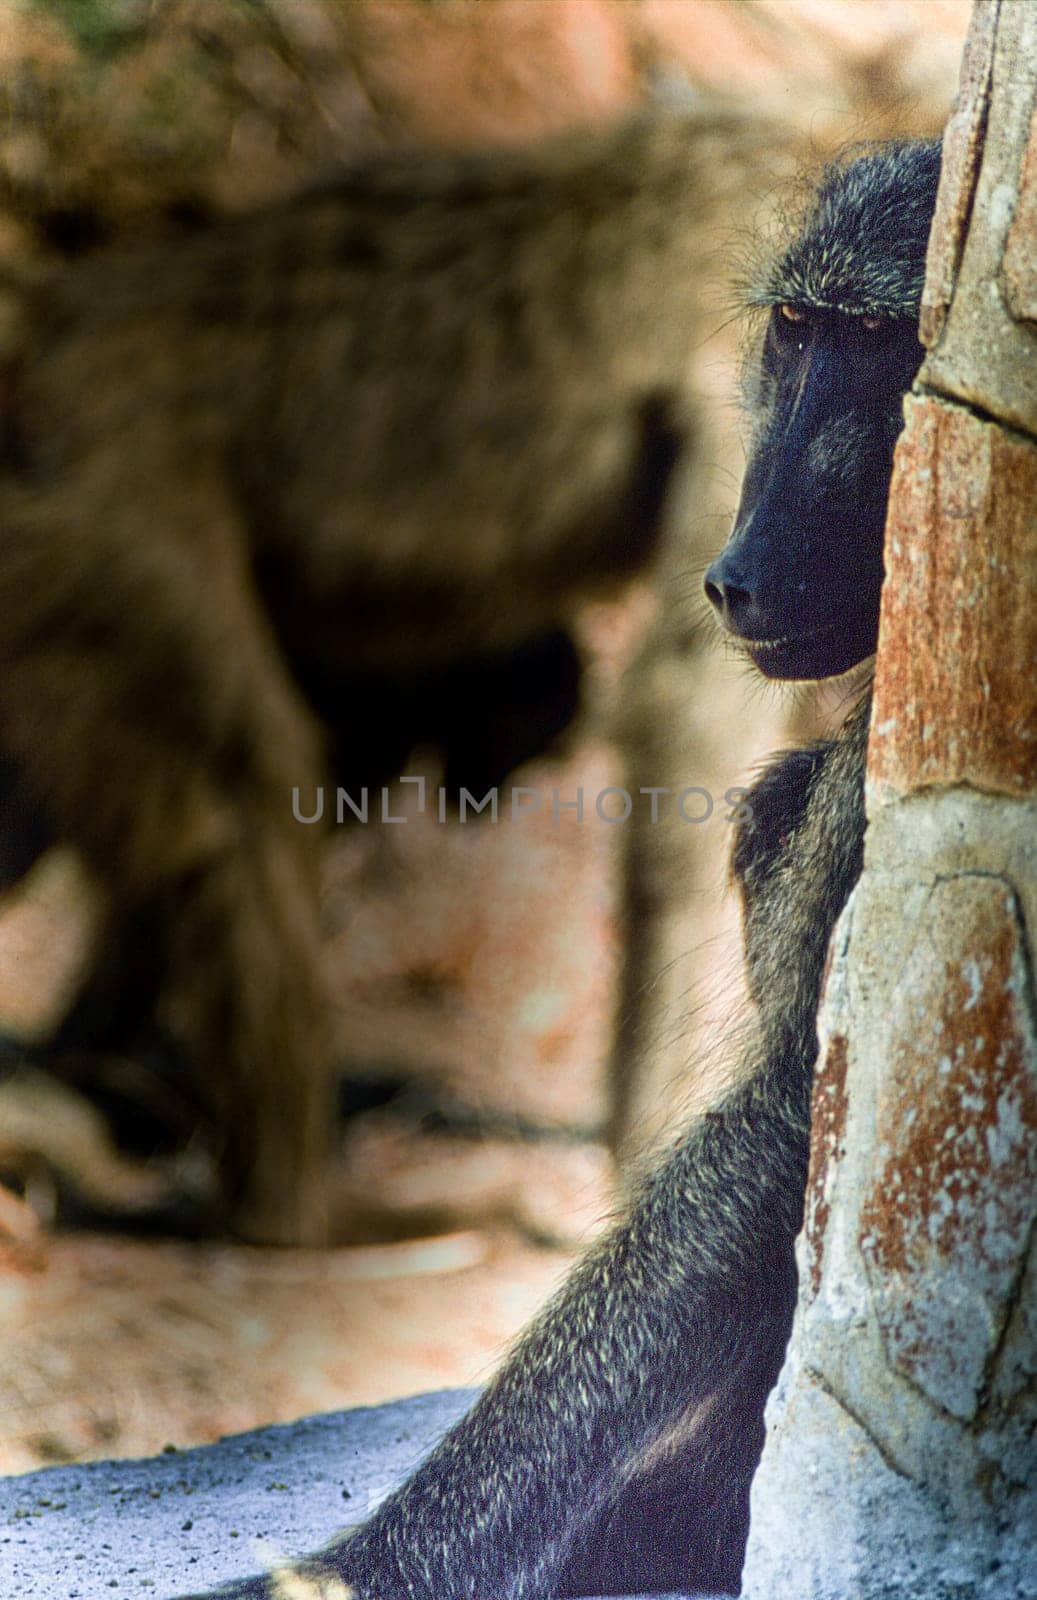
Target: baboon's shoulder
796, 859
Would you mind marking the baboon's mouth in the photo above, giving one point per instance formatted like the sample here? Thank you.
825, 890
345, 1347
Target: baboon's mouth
822, 652
755, 646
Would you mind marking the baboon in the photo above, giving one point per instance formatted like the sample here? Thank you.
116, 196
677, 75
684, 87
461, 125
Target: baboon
614, 1451
290, 494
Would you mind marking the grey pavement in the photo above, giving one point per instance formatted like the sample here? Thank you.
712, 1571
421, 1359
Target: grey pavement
190, 1519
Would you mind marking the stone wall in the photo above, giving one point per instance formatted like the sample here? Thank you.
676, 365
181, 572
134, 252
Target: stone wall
902, 1436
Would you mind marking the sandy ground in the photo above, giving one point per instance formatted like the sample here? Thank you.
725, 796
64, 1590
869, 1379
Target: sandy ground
115, 1348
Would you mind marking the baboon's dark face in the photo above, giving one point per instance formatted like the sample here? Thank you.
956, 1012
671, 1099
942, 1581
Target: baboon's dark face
799, 580
800, 577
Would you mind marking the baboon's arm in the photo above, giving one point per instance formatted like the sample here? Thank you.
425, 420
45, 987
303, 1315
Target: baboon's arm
615, 1448
658, 1324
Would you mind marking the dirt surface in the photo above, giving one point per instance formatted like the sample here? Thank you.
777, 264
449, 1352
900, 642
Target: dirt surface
117, 1348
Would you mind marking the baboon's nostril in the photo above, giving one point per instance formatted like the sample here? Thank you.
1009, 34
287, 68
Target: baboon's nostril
731, 600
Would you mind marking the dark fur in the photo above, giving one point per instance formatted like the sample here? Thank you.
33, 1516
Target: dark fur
309, 487
615, 1450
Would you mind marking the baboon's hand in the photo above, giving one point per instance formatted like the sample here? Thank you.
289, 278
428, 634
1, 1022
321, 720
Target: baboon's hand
284, 1584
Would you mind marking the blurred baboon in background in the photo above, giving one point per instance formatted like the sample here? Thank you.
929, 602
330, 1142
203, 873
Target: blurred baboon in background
286, 497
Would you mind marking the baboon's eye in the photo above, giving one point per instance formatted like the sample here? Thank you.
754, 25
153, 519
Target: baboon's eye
789, 327
874, 324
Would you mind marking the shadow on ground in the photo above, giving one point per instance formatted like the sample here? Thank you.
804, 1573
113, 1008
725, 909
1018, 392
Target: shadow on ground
188, 1519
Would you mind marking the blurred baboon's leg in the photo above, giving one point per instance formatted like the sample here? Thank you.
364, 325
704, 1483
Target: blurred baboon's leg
244, 961
165, 741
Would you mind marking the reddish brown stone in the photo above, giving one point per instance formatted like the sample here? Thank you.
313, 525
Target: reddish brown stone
985, 355
946, 1217
508, 71
956, 678
1019, 266
827, 1129
962, 149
